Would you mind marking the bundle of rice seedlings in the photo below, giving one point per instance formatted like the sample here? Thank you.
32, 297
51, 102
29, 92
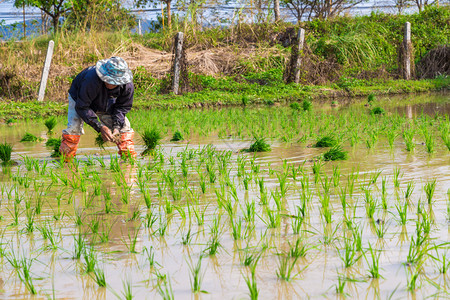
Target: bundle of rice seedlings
306, 105
259, 145
54, 143
326, 141
99, 141
177, 136
150, 137
377, 111
5, 153
295, 106
335, 153
28, 137
50, 123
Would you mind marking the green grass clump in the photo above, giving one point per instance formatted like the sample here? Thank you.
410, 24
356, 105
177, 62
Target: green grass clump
326, 141
50, 123
177, 136
28, 137
335, 153
371, 98
54, 143
377, 111
5, 153
150, 137
259, 145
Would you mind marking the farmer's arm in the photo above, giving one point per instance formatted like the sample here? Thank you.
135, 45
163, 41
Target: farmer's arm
122, 106
87, 93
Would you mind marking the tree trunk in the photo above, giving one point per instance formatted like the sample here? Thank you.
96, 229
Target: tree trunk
276, 10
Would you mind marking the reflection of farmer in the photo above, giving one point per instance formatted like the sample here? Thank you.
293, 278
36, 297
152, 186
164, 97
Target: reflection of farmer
101, 96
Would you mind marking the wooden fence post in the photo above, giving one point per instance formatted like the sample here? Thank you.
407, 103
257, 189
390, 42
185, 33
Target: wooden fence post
176, 65
406, 46
46, 70
300, 39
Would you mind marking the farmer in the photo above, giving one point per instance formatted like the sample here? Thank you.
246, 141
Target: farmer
101, 96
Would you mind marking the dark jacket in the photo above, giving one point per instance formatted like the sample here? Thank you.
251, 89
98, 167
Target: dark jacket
92, 96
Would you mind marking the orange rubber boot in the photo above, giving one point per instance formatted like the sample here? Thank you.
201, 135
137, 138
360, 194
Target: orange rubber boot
69, 146
126, 145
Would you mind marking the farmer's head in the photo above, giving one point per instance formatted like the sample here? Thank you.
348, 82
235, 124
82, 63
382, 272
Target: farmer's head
113, 71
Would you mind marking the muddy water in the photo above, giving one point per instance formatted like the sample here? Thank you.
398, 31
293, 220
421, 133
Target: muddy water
55, 273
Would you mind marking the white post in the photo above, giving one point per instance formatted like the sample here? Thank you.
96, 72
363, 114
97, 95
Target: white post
176, 65
407, 57
301, 39
46, 70
139, 27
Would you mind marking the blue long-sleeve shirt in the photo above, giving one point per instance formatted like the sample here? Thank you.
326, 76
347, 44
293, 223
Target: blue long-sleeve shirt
92, 96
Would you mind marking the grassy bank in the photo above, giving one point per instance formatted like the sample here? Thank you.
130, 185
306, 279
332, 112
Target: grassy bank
343, 57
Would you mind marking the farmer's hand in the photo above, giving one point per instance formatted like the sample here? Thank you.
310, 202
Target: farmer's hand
106, 134
116, 136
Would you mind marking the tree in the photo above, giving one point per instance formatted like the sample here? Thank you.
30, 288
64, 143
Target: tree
55, 9
300, 9
322, 9
168, 3
99, 14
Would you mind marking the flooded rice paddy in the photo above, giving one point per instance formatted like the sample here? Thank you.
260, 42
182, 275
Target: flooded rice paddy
200, 219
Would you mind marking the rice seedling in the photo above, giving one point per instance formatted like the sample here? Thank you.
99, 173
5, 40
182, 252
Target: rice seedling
151, 138
99, 276
429, 189
90, 259
128, 290
295, 106
371, 139
441, 260
286, 266
196, 276
340, 285
417, 250
259, 145
374, 262
429, 140
326, 141
335, 153
374, 177
273, 218
29, 137
162, 226
299, 249
412, 279
251, 284
371, 98
50, 123
349, 255
133, 239
316, 168
99, 142
408, 136
391, 135
409, 189
5, 153
396, 177
381, 227
165, 289
402, 211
